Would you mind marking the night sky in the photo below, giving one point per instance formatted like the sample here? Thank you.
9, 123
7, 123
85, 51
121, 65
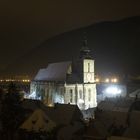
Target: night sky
25, 24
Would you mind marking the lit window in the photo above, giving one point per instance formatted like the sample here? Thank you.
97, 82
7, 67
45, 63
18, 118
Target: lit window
71, 95
84, 93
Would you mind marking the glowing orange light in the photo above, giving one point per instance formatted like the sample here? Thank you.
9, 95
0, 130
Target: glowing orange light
97, 80
107, 80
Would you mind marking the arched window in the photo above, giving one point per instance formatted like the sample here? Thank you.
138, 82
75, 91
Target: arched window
71, 95
80, 94
89, 95
88, 67
71, 91
84, 93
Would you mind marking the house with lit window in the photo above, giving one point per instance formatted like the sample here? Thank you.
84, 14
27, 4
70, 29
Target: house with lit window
67, 82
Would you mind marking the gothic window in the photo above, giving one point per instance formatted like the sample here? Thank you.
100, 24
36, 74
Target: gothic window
89, 95
80, 94
71, 95
84, 94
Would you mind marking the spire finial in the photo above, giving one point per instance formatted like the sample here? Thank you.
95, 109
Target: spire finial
85, 51
85, 40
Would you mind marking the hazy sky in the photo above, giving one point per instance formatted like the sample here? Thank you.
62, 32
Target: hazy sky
24, 24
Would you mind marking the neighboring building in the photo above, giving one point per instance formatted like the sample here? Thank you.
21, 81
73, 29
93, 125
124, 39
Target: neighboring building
64, 114
63, 121
135, 94
67, 82
56, 113
133, 131
116, 104
38, 122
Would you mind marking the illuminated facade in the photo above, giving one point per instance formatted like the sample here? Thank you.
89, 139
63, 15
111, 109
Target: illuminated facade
67, 82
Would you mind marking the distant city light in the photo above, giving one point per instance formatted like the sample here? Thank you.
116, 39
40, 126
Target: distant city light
114, 80
97, 80
15, 80
50, 105
107, 80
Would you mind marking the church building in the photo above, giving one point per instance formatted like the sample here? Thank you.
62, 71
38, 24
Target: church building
67, 82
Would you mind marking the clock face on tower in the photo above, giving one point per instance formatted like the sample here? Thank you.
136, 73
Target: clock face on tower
89, 77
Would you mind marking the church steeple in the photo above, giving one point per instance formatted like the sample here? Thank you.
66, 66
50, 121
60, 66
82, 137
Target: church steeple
85, 51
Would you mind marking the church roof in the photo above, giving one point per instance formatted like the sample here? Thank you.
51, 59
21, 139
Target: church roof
54, 72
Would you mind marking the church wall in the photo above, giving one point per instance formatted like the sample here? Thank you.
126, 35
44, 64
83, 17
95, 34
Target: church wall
86, 99
79, 94
88, 67
49, 92
88, 63
59, 93
70, 94
90, 95
84, 95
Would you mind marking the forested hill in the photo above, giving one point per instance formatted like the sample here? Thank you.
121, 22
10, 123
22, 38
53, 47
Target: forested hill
115, 48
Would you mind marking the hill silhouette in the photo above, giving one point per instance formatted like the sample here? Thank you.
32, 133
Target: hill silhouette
115, 48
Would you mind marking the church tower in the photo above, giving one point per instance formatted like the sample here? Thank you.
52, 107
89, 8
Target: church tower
87, 64
88, 77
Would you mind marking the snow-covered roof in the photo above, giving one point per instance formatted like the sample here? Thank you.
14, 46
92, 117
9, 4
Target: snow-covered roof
54, 72
67, 132
133, 131
64, 113
60, 113
112, 117
38, 122
106, 105
122, 105
135, 93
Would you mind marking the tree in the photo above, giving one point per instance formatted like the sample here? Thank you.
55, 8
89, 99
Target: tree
11, 112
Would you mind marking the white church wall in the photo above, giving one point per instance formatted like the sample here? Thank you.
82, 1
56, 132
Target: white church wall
70, 93
84, 95
90, 95
88, 68
88, 62
80, 96
59, 94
